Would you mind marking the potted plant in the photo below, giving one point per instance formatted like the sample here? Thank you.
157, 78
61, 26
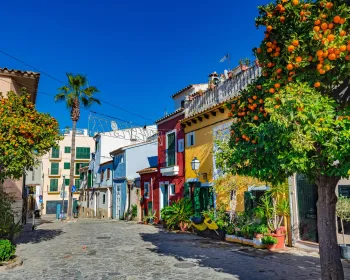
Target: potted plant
260, 230
343, 212
230, 74
269, 242
200, 92
212, 85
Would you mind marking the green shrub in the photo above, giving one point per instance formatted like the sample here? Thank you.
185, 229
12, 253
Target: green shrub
261, 229
269, 240
133, 211
7, 250
179, 211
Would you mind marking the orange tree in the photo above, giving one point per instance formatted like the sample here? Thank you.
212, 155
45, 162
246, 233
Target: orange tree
25, 135
295, 117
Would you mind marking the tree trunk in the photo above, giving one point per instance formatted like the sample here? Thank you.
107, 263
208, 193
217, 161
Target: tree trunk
71, 171
331, 266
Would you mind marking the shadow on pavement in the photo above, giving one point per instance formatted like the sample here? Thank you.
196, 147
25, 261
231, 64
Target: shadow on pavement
240, 261
37, 235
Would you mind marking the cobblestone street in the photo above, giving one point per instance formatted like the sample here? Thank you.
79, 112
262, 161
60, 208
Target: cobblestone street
94, 249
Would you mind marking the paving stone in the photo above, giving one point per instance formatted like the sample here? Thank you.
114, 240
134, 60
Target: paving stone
96, 249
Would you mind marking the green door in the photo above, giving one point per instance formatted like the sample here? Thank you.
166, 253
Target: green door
307, 210
165, 196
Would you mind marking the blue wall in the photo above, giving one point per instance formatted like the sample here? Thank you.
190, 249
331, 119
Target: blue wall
119, 166
122, 198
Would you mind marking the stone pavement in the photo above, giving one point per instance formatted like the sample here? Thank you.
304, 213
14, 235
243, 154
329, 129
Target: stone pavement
96, 249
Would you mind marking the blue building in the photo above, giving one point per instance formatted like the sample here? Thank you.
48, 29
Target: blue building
126, 162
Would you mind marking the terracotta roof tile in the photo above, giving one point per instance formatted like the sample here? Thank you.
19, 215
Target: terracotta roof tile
170, 115
147, 170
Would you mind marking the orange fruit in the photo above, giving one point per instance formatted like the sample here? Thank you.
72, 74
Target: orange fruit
321, 71
324, 26
269, 44
256, 118
261, 101
325, 54
258, 50
310, 58
269, 50
330, 37
258, 86
255, 97
295, 43
337, 51
336, 19
279, 70
272, 90
348, 48
269, 28
295, 2
291, 48
290, 67
342, 33
277, 85
330, 26
331, 50
299, 59
342, 20
317, 84
342, 48
317, 22
277, 54
316, 28
282, 18
329, 5
277, 106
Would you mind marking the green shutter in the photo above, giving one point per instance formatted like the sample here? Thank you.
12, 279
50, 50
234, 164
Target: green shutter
79, 165
197, 203
186, 190
55, 153
82, 153
54, 168
89, 183
66, 182
67, 150
53, 185
67, 165
171, 149
77, 184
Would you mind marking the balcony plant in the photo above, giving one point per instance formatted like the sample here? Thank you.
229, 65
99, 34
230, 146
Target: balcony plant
260, 230
269, 242
211, 85
178, 214
343, 212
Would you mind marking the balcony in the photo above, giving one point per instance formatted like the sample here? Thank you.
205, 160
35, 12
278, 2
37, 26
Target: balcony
54, 172
224, 91
55, 155
169, 167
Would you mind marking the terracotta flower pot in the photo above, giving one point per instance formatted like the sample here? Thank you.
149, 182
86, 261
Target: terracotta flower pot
244, 67
270, 247
280, 240
183, 226
212, 86
230, 75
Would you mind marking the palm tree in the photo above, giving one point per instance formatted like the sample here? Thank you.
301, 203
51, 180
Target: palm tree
74, 94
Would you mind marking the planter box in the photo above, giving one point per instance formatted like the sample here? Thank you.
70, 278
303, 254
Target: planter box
247, 242
233, 238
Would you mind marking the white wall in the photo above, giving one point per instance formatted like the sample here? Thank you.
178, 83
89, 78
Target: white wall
138, 157
177, 99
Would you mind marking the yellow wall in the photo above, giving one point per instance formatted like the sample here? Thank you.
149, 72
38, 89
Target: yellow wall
203, 148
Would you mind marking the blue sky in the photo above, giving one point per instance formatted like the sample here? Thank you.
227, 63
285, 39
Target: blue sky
138, 53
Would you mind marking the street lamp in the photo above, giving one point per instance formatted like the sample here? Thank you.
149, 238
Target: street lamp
63, 189
195, 164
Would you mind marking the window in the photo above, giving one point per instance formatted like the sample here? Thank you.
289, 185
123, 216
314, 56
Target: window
53, 185
108, 173
54, 168
82, 153
66, 182
172, 189
77, 184
180, 145
190, 139
79, 165
182, 103
66, 165
96, 146
104, 199
55, 153
102, 173
170, 157
66, 150
146, 189
344, 190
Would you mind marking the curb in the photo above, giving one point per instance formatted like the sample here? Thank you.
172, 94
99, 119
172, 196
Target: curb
10, 265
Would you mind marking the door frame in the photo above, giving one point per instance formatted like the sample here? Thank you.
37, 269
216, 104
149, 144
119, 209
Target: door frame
161, 196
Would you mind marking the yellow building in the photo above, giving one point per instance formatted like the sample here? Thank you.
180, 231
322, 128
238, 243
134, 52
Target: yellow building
206, 117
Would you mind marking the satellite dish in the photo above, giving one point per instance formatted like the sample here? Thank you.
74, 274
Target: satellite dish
114, 125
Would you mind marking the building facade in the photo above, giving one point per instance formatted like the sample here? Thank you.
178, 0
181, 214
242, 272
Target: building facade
148, 183
33, 187
207, 119
56, 167
126, 162
15, 80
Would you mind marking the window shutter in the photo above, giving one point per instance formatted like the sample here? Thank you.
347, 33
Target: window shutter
89, 180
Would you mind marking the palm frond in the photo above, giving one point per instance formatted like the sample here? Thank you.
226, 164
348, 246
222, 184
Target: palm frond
59, 97
93, 100
90, 91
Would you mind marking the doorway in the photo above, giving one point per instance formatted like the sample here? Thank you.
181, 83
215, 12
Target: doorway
307, 210
164, 195
118, 201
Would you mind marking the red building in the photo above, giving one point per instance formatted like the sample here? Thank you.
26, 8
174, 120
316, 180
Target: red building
148, 182
168, 185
